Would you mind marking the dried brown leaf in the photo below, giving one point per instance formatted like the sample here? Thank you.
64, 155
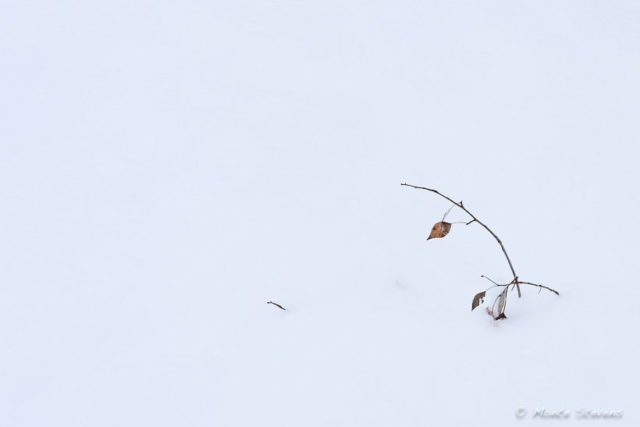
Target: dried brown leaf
439, 230
502, 301
477, 300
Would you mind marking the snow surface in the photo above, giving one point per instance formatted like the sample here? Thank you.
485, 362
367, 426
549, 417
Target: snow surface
166, 168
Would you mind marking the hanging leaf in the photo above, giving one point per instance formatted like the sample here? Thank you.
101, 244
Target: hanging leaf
439, 230
478, 299
502, 301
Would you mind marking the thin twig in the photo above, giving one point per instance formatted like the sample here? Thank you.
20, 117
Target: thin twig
461, 206
277, 305
501, 298
521, 282
540, 286
491, 280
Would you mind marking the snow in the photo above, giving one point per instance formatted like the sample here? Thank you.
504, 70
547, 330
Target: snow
166, 168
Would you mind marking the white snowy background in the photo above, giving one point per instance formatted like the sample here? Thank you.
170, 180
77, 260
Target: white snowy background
168, 167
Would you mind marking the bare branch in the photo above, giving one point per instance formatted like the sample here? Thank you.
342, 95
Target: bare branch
495, 236
540, 286
492, 281
497, 310
277, 305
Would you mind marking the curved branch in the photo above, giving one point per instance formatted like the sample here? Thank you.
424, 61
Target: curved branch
461, 206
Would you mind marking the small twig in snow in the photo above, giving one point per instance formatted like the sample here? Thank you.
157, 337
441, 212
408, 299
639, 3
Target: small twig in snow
277, 305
